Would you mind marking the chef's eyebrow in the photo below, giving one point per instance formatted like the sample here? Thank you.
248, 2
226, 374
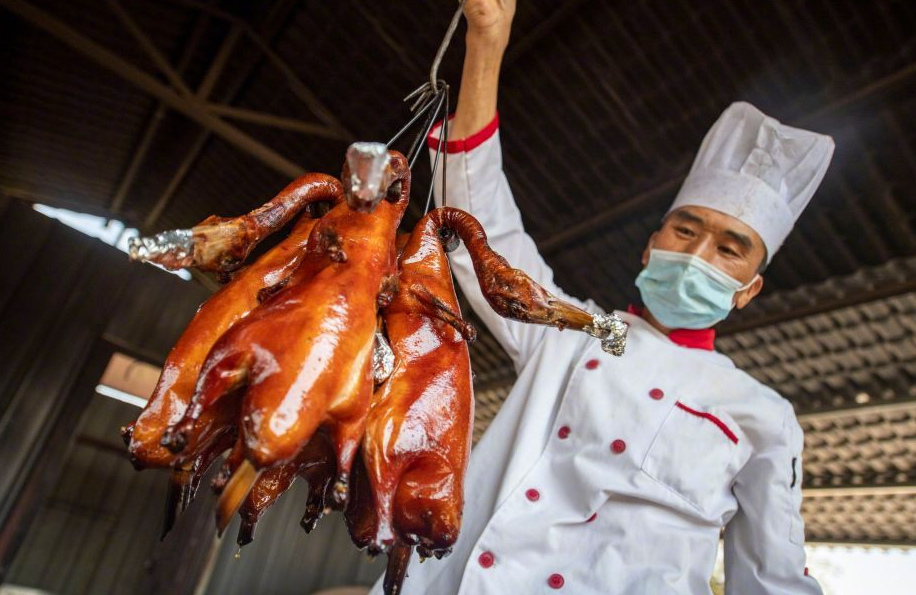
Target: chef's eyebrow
688, 216
741, 238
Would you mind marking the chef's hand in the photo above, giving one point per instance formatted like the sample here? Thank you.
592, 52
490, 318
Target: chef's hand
489, 21
489, 24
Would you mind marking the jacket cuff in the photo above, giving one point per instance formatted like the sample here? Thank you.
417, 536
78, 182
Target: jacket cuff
463, 144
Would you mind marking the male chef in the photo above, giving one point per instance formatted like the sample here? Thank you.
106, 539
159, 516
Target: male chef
615, 475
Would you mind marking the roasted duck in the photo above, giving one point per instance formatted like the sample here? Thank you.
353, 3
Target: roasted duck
217, 244
304, 356
233, 302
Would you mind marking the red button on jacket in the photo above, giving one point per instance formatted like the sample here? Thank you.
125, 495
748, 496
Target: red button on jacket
563, 432
532, 494
555, 581
656, 393
591, 364
618, 446
486, 559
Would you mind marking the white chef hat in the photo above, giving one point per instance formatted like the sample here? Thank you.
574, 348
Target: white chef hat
754, 168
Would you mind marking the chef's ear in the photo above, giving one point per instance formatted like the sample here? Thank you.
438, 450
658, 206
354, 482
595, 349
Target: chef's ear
645, 253
744, 297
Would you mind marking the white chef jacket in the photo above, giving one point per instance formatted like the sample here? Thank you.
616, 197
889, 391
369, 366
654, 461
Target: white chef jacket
613, 475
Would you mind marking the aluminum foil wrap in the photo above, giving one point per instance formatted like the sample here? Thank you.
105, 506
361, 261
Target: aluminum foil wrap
368, 165
175, 244
382, 359
611, 330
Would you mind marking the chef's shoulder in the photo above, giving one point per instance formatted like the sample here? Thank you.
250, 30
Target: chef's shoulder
766, 416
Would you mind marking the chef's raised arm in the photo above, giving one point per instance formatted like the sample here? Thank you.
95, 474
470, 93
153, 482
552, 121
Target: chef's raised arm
764, 541
476, 182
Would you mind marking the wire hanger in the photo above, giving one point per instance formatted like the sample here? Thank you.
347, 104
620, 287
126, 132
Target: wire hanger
429, 99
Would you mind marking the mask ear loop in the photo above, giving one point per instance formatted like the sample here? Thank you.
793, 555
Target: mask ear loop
749, 283
743, 288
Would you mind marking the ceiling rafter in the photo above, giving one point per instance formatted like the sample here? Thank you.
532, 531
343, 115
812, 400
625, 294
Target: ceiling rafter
295, 83
128, 22
187, 106
152, 127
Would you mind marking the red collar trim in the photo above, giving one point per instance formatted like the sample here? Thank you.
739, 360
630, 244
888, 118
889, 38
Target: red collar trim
463, 144
703, 338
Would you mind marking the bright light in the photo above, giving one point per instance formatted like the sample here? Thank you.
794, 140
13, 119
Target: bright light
854, 570
110, 231
120, 395
843, 570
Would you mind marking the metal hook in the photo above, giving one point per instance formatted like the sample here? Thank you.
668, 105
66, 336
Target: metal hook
434, 70
428, 90
429, 99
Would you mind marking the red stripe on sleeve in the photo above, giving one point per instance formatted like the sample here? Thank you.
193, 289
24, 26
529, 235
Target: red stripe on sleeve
464, 144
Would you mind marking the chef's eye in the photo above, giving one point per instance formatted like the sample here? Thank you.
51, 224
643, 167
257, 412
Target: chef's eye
727, 251
685, 230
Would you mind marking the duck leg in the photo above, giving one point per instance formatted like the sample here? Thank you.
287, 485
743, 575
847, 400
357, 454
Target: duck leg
319, 470
184, 480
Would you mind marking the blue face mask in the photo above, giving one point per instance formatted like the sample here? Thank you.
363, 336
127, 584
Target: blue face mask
684, 291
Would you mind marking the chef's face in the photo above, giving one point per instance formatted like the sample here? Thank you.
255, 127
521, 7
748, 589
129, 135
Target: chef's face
719, 239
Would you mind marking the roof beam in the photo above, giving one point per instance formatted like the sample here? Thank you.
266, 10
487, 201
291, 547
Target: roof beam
851, 299
203, 91
864, 490
293, 81
240, 75
265, 119
149, 47
894, 406
155, 121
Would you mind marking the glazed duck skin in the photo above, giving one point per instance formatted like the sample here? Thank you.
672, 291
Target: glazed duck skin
232, 302
304, 355
179, 375
418, 430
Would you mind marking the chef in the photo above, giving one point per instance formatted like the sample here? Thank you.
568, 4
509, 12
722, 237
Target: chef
606, 475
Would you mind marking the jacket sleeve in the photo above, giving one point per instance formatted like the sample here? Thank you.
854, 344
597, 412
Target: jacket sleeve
477, 184
764, 541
